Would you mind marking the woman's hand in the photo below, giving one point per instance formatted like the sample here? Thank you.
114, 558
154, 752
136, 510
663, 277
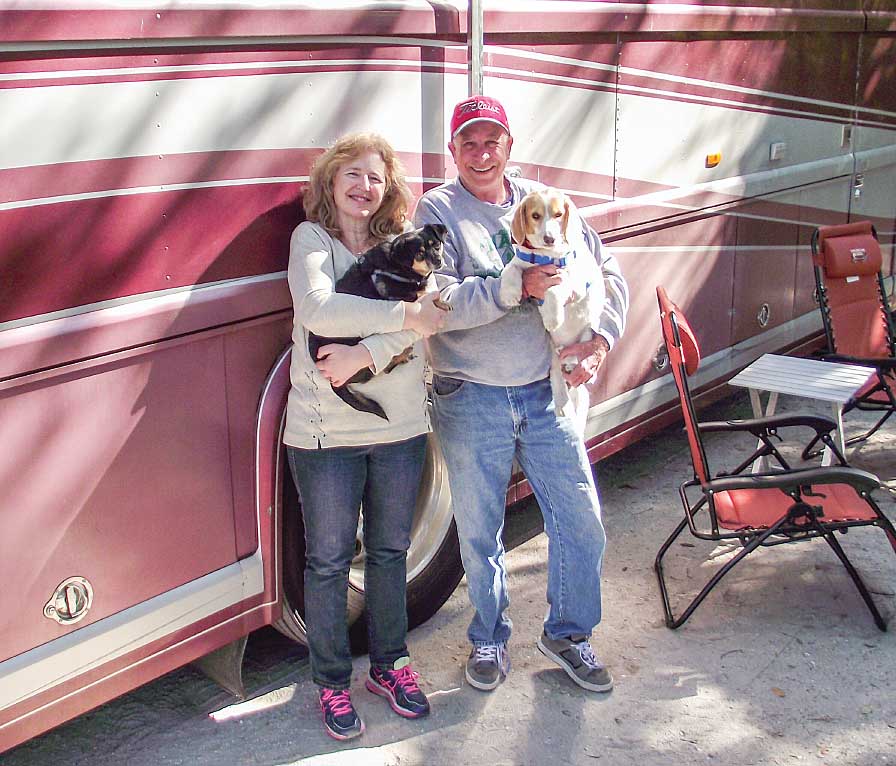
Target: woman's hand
423, 316
337, 363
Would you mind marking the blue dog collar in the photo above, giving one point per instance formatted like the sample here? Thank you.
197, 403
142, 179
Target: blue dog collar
539, 260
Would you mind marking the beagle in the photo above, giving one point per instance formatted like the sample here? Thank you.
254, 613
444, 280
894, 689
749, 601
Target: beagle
548, 230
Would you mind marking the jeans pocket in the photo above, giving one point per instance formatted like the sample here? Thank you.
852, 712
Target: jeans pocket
444, 386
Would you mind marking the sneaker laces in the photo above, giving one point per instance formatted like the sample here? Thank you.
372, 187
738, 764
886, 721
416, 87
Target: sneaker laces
587, 654
339, 701
492, 653
406, 678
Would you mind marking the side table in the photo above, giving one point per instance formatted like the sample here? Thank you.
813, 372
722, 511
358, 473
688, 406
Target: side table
810, 378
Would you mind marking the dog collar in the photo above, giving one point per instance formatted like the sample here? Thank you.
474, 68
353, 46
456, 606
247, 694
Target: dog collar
540, 260
395, 277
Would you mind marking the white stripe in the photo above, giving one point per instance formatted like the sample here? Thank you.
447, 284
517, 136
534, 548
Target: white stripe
134, 190
709, 84
305, 64
640, 401
763, 183
706, 248
102, 642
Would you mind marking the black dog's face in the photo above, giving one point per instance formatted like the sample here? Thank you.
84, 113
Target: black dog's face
419, 250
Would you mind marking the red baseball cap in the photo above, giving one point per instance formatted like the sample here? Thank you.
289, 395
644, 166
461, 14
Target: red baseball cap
478, 109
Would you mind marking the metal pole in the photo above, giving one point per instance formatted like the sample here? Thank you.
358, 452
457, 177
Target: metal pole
474, 46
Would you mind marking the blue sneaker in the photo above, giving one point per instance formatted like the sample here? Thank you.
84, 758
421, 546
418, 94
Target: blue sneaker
340, 719
399, 686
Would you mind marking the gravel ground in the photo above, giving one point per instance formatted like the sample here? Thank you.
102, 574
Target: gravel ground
781, 665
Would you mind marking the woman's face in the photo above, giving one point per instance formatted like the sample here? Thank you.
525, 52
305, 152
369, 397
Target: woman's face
359, 186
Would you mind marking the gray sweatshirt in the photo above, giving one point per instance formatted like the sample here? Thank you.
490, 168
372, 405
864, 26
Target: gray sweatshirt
482, 341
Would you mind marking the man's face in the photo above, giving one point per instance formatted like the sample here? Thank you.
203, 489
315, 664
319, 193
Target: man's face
480, 152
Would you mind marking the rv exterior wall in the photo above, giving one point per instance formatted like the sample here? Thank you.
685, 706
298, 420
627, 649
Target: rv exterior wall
151, 165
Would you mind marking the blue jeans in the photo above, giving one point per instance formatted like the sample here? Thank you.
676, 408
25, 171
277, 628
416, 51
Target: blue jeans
332, 483
481, 429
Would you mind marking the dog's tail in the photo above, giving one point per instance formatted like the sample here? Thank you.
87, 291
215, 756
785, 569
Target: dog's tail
359, 401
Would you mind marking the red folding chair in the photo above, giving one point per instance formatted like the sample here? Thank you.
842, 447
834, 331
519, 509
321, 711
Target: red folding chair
857, 320
782, 505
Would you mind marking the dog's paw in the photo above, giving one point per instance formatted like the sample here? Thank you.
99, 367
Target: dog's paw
552, 311
508, 295
551, 318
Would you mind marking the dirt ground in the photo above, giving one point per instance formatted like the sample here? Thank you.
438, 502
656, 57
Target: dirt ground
781, 665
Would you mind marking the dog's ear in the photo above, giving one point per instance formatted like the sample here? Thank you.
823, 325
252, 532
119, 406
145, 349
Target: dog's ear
519, 224
564, 221
438, 229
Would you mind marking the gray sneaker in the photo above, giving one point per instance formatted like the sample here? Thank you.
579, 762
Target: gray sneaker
577, 658
487, 666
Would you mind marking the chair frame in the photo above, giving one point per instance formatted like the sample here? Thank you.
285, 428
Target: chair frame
802, 521
885, 366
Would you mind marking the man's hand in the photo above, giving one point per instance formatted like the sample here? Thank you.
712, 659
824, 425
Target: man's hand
338, 363
537, 279
591, 355
426, 315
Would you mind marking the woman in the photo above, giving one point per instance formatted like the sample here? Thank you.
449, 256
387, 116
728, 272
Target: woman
340, 457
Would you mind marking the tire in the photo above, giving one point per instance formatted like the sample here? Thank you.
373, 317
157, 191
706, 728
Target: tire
434, 565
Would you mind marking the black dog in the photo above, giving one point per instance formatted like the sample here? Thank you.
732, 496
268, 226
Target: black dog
391, 271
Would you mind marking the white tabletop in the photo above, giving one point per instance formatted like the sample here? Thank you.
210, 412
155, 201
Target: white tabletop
812, 378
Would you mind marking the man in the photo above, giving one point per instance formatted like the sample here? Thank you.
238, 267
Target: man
493, 402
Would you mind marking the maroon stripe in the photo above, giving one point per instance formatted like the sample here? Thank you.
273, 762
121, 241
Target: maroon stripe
94, 250
726, 62
97, 176
144, 24
100, 175
783, 65
594, 53
763, 16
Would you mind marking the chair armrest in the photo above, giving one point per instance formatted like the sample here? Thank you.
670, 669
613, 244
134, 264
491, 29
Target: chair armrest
789, 480
883, 363
757, 426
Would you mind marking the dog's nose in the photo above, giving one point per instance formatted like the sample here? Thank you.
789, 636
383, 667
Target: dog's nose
548, 239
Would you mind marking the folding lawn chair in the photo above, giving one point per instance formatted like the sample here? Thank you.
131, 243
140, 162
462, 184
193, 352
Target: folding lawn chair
783, 505
857, 320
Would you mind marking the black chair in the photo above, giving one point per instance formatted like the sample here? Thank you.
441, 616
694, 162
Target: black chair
781, 505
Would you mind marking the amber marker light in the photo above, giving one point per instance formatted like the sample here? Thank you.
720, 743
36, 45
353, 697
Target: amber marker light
713, 159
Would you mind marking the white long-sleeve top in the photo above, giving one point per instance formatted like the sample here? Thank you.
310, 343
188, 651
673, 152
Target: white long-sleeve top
315, 416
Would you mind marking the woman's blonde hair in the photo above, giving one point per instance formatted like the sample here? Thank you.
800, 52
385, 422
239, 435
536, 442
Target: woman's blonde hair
320, 207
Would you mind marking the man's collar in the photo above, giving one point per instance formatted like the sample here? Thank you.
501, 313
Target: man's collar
508, 191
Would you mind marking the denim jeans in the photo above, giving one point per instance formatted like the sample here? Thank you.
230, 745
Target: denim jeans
481, 429
332, 483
